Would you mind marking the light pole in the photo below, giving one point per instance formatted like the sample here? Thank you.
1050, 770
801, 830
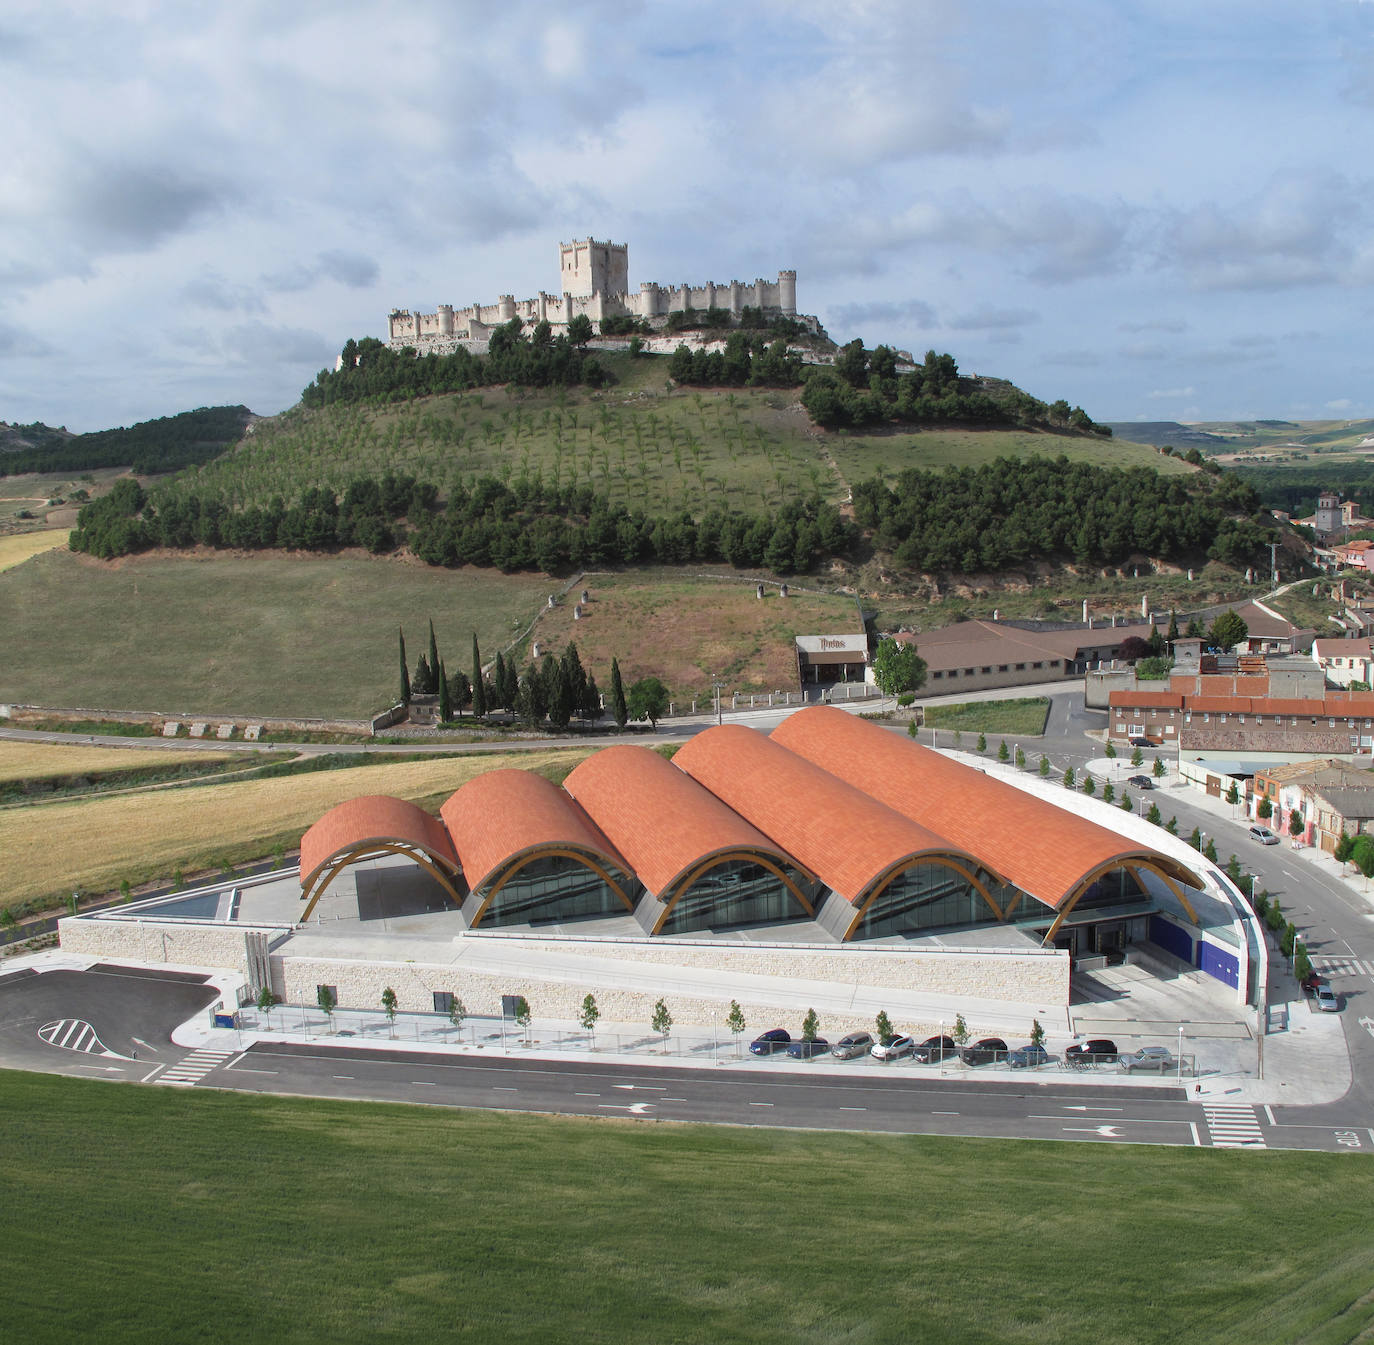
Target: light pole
717, 686
1180, 1053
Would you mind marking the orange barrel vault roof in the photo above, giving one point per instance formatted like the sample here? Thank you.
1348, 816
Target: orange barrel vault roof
1044, 850
660, 819
842, 835
356, 823
503, 814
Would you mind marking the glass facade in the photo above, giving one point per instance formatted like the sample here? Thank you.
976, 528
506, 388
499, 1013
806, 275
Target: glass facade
554, 888
924, 898
737, 892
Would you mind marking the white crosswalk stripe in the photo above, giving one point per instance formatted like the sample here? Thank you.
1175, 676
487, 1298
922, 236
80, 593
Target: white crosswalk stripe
194, 1067
1233, 1127
1343, 966
75, 1034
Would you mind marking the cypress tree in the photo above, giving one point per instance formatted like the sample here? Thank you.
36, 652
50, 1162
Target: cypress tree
405, 672
619, 710
561, 702
591, 700
445, 703
479, 686
433, 649
498, 680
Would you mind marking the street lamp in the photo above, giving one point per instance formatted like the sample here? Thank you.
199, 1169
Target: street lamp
1180, 1053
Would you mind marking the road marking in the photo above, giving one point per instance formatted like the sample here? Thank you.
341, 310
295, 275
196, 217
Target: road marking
944, 1113
496, 1088
634, 1108
672, 1099
1269, 1114
194, 1067
853, 1108
1107, 1132
1096, 1106
586, 1095
1197, 1139
147, 1046
75, 1034
343, 1076
1233, 1126
760, 1104
243, 1069
424, 1083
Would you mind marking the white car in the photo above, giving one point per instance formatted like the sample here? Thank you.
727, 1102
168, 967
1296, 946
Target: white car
1158, 1058
894, 1048
1264, 836
1324, 997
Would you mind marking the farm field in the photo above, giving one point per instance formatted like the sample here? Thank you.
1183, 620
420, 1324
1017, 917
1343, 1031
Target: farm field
861, 456
204, 1215
242, 635
1025, 717
16, 548
51, 761
50, 850
686, 631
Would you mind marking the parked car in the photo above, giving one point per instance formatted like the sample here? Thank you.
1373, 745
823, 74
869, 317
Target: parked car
1264, 836
1325, 998
985, 1051
1139, 741
808, 1050
893, 1048
1140, 782
934, 1049
768, 1043
1311, 981
855, 1043
1094, 1051
1028, 1056
1158, 1058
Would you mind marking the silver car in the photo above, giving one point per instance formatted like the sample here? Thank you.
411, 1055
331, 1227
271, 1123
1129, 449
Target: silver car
1158, 1058
1324, 997
856, 1043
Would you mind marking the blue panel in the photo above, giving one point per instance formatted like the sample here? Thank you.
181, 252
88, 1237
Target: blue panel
1220, 965
1172, 938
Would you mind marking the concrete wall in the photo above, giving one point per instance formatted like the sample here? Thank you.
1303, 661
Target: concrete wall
182, 942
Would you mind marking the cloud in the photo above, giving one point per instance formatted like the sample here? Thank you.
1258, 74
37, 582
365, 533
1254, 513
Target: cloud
210, 289
1340, 404
351, 269
1154, 325
992, 319
901, 313
1171, 394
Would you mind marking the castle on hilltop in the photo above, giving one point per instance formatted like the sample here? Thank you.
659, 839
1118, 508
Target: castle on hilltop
596, 283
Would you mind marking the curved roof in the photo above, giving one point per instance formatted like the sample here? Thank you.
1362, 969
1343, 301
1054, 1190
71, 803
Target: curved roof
373, 819
661, 820
504, 814
838, 832
1045, 850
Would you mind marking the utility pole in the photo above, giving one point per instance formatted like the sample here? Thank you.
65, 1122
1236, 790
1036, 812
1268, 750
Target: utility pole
717, 686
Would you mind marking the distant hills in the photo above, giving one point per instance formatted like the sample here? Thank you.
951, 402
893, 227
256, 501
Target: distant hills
151, 446
1268, 439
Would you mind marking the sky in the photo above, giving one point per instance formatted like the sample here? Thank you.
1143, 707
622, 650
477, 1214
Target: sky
1155, 209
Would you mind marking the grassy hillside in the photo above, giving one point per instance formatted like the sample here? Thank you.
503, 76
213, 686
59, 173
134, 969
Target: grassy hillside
286, 1219
644, 444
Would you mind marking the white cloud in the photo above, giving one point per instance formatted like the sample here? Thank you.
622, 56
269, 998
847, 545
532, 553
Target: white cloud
1171, 394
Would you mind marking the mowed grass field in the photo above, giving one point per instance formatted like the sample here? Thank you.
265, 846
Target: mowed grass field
50, 761
144, 1214
686, 631
92, 844
242, 635
16, 548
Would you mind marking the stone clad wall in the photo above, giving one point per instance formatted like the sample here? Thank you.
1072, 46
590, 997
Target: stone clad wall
181, 943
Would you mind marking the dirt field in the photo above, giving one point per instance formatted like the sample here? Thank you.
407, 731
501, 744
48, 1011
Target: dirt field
687, 631
90, 845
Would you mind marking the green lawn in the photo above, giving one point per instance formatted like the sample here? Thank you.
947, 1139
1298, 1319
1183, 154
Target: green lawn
1025, 718
165, 1215
242, 635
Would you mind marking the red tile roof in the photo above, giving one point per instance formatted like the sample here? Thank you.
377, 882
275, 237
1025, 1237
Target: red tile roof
1045, 850
838, 833
659, 818
502, 815
1146, 700
359, 823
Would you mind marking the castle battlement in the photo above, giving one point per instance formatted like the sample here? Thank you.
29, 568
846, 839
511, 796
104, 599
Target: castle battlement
595, 284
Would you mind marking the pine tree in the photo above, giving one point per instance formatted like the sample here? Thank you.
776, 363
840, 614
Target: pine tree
405, 671
479, 686
619, 710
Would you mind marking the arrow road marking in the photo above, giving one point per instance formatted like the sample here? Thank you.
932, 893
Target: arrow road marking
1094, 1107
1368, 1025
634, 1108
1107, 1132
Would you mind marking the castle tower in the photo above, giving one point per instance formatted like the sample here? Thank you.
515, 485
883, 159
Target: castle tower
1328, 519
445, 319
787, 292
589, 267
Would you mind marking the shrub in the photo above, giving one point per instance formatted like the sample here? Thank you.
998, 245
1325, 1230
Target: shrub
906, 698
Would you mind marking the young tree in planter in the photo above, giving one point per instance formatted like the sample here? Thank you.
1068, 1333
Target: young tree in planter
1295, 826
1037, 1033
1110, 751
619, 710
1069, 778
1044, 768
982, 742
1344, 847
1233, 794
405, 671
587, 1018
523, 1016
1159, 768
1264, 810
1003, 752
882, 1027
1195, 839
1210, 850
1233, 870
389, 1006
1137, 758
1362, 854
960, 1031
1171, 826
324, 997
811, 1026
1109, 792
457, 1011
662, 1023
734, 1020
1020, 759
1154, 815
266, 1002
1089, 784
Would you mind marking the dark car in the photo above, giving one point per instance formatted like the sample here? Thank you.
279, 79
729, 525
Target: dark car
1311, 981
1028, 1057
808, 1050
768, 1043
851, 1045
1141, 782
933, 1049
1094, 1051
1138, 741
985, 1051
